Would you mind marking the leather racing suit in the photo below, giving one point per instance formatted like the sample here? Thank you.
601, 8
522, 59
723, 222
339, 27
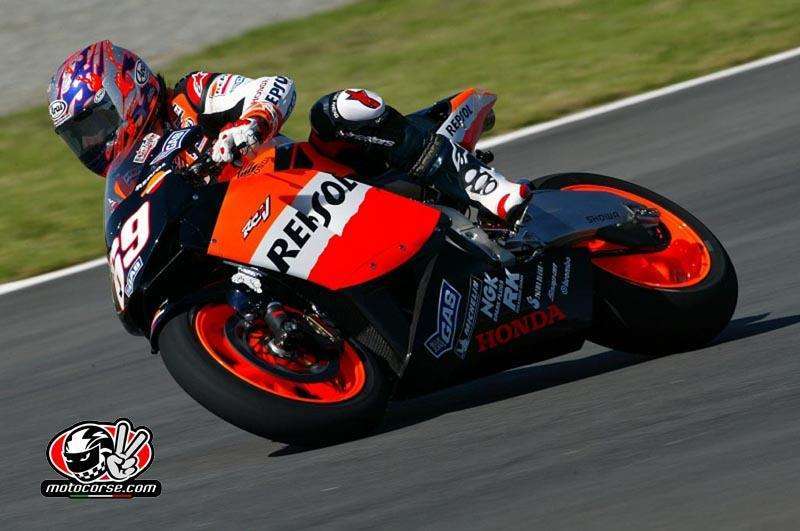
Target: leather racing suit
352, 126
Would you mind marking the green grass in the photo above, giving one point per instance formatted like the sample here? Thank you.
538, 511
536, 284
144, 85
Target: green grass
543, 58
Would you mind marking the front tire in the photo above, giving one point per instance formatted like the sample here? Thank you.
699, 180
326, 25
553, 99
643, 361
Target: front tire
645, 317
302, 420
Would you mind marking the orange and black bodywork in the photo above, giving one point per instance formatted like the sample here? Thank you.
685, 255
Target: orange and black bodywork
310, 226
410, 282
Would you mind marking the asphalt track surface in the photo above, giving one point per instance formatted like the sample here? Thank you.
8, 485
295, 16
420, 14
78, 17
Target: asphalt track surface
597, 439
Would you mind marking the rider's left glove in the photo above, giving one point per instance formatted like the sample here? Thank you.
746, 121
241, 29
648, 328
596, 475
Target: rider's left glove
242, 136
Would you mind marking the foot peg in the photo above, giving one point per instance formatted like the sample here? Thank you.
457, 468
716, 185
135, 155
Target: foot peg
485, 156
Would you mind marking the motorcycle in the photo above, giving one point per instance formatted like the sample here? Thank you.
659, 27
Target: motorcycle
294, 299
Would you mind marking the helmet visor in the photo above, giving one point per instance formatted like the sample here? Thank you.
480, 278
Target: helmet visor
88, 133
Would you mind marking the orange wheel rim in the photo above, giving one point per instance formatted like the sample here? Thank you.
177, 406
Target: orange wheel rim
348, 380
684, 263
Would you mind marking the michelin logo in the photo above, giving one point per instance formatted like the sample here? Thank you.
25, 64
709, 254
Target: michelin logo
471, 317
444, 338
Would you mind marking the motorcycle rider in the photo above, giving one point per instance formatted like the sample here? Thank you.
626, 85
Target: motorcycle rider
103, 98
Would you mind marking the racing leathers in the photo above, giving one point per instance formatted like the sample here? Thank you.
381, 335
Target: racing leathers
240, 112
358, 128
352, 126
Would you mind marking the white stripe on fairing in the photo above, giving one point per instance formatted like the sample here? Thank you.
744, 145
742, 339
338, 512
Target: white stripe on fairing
493, 141
303, 263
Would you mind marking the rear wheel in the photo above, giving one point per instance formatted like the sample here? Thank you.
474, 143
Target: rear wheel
676, 299
224, 363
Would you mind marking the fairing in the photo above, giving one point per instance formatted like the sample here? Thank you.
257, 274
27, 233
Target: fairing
144, 197
478, 316
286, 211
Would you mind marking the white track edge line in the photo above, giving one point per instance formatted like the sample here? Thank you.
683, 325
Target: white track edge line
639, 98
17, 285
531, 130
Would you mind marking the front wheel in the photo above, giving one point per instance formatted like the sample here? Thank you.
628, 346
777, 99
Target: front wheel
310, 400
677, 299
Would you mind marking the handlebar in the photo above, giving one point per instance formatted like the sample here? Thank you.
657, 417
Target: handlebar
205, 166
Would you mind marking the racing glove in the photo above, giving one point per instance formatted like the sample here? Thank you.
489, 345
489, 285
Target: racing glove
243, 136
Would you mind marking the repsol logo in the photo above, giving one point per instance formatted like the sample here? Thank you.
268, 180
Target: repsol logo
277, 89
522, 326
458, 121
300, 227
605, 216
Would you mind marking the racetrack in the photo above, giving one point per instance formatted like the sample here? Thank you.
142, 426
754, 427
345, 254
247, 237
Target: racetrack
597, 439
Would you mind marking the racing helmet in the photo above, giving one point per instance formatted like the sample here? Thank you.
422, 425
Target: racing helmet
102, 99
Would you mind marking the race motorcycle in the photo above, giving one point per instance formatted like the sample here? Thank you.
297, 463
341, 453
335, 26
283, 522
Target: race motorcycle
294, 299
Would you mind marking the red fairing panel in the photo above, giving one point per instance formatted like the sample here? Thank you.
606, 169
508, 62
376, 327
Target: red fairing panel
335, 232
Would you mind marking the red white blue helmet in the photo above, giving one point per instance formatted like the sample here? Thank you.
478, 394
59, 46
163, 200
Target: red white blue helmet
102, 99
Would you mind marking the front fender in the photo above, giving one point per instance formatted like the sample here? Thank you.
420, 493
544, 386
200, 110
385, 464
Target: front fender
169, 309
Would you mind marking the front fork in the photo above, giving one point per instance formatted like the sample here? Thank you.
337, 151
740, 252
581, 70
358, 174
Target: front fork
290, 329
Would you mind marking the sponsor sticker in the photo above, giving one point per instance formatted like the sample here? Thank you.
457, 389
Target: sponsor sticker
460, 156
140, 73
237, 80
58, 111
329, 203
272, 89
567, 271
261, 214
481, 181
148, 143
458, 120
130, 280
363, 97
491, 296
199, 80
183, 117
220, 84
551, 291
521, 326
172, 143
470, 318
444, 338
101, 460
605, 216
512, 293
248, 278
535, 300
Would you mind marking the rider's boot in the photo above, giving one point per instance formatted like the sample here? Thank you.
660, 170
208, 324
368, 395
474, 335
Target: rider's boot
358, 128
461, 173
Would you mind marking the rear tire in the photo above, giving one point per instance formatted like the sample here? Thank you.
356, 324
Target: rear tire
658, 321
265, 414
